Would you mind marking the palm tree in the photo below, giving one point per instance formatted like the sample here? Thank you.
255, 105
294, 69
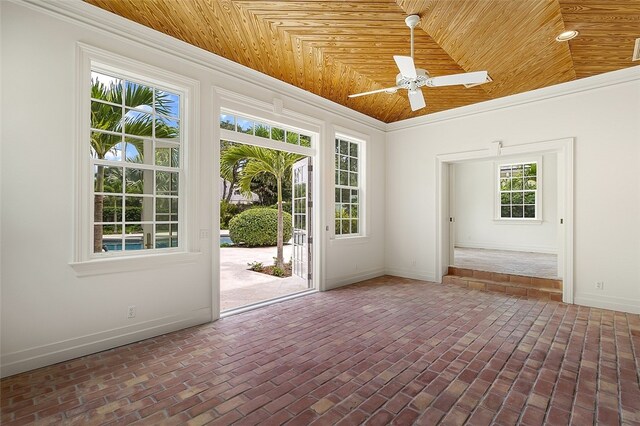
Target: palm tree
111, 118
228, 172
259, 161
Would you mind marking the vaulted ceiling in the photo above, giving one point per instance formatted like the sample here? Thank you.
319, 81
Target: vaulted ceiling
335, 48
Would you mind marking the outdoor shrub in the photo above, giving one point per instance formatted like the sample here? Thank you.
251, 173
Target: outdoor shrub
278, 272
256, 266
229, 210
259, 227
286, 206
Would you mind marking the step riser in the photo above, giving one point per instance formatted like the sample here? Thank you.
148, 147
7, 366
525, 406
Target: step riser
502, 288
506, 278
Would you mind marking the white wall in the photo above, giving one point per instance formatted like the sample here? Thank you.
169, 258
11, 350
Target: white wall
602, 114
49, 313
475, 192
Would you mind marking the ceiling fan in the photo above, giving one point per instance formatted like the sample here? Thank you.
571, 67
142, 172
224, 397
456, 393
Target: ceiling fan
412, 78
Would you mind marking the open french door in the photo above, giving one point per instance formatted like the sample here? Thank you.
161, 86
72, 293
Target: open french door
301, 208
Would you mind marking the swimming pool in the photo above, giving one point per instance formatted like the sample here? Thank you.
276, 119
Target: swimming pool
136, 243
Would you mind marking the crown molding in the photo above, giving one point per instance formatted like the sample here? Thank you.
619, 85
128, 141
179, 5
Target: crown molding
563, 89
89, 16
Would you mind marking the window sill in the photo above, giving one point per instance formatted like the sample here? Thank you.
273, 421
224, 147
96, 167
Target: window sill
354, 240
117, 265
518, 221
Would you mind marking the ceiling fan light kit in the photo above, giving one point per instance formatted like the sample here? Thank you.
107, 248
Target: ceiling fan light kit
413, 79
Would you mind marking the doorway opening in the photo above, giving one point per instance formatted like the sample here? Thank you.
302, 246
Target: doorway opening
505, 215
476, 248
265, 224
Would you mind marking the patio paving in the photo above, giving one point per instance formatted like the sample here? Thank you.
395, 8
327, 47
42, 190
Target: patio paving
240, 286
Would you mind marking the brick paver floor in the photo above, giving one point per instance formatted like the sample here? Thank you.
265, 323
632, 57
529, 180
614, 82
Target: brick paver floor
389, 350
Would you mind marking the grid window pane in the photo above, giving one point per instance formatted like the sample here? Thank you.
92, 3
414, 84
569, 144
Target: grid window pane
111, 238
166, 127
107, 179
530, 183
137, 181
293, 138
135, 149
168, 156
277, 134
529, 211
517, 211
529, 197
166, 183
244, 125
516, 198
228, 121
167, 103
111, 208
516, 183
263, 130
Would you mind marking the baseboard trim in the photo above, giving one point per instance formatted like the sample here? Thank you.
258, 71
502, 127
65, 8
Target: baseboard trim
41, 356
352, 279
507, 247
413, 274
621, 304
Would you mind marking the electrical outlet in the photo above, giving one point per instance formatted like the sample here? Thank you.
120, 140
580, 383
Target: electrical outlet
131, 312
600, 285
204, 234
413, 262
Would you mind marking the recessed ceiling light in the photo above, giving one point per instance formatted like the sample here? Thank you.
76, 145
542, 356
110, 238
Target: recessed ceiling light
567, 35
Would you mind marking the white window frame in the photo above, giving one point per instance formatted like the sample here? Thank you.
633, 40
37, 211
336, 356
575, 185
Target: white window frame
85, 261
361, 141
496, 185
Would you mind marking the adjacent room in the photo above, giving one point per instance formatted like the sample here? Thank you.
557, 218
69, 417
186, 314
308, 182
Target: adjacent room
320, 212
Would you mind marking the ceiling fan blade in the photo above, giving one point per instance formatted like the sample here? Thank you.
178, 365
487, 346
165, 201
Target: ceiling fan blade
464, 78
393, 89
416, 99
406, 66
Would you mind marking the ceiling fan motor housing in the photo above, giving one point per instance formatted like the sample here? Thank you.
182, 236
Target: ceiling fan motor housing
421, 80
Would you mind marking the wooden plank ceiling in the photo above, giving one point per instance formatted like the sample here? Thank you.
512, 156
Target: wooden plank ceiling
335, 48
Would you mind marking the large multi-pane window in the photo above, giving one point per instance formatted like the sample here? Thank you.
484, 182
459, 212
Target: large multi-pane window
347, 188
518, 190
136, 161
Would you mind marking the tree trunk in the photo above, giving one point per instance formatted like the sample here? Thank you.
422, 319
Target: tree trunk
224, 189
98, 207
280, 252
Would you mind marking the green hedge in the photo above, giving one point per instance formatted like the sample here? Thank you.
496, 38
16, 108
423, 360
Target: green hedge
134, 213
286, 206
227, 212
259, 227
